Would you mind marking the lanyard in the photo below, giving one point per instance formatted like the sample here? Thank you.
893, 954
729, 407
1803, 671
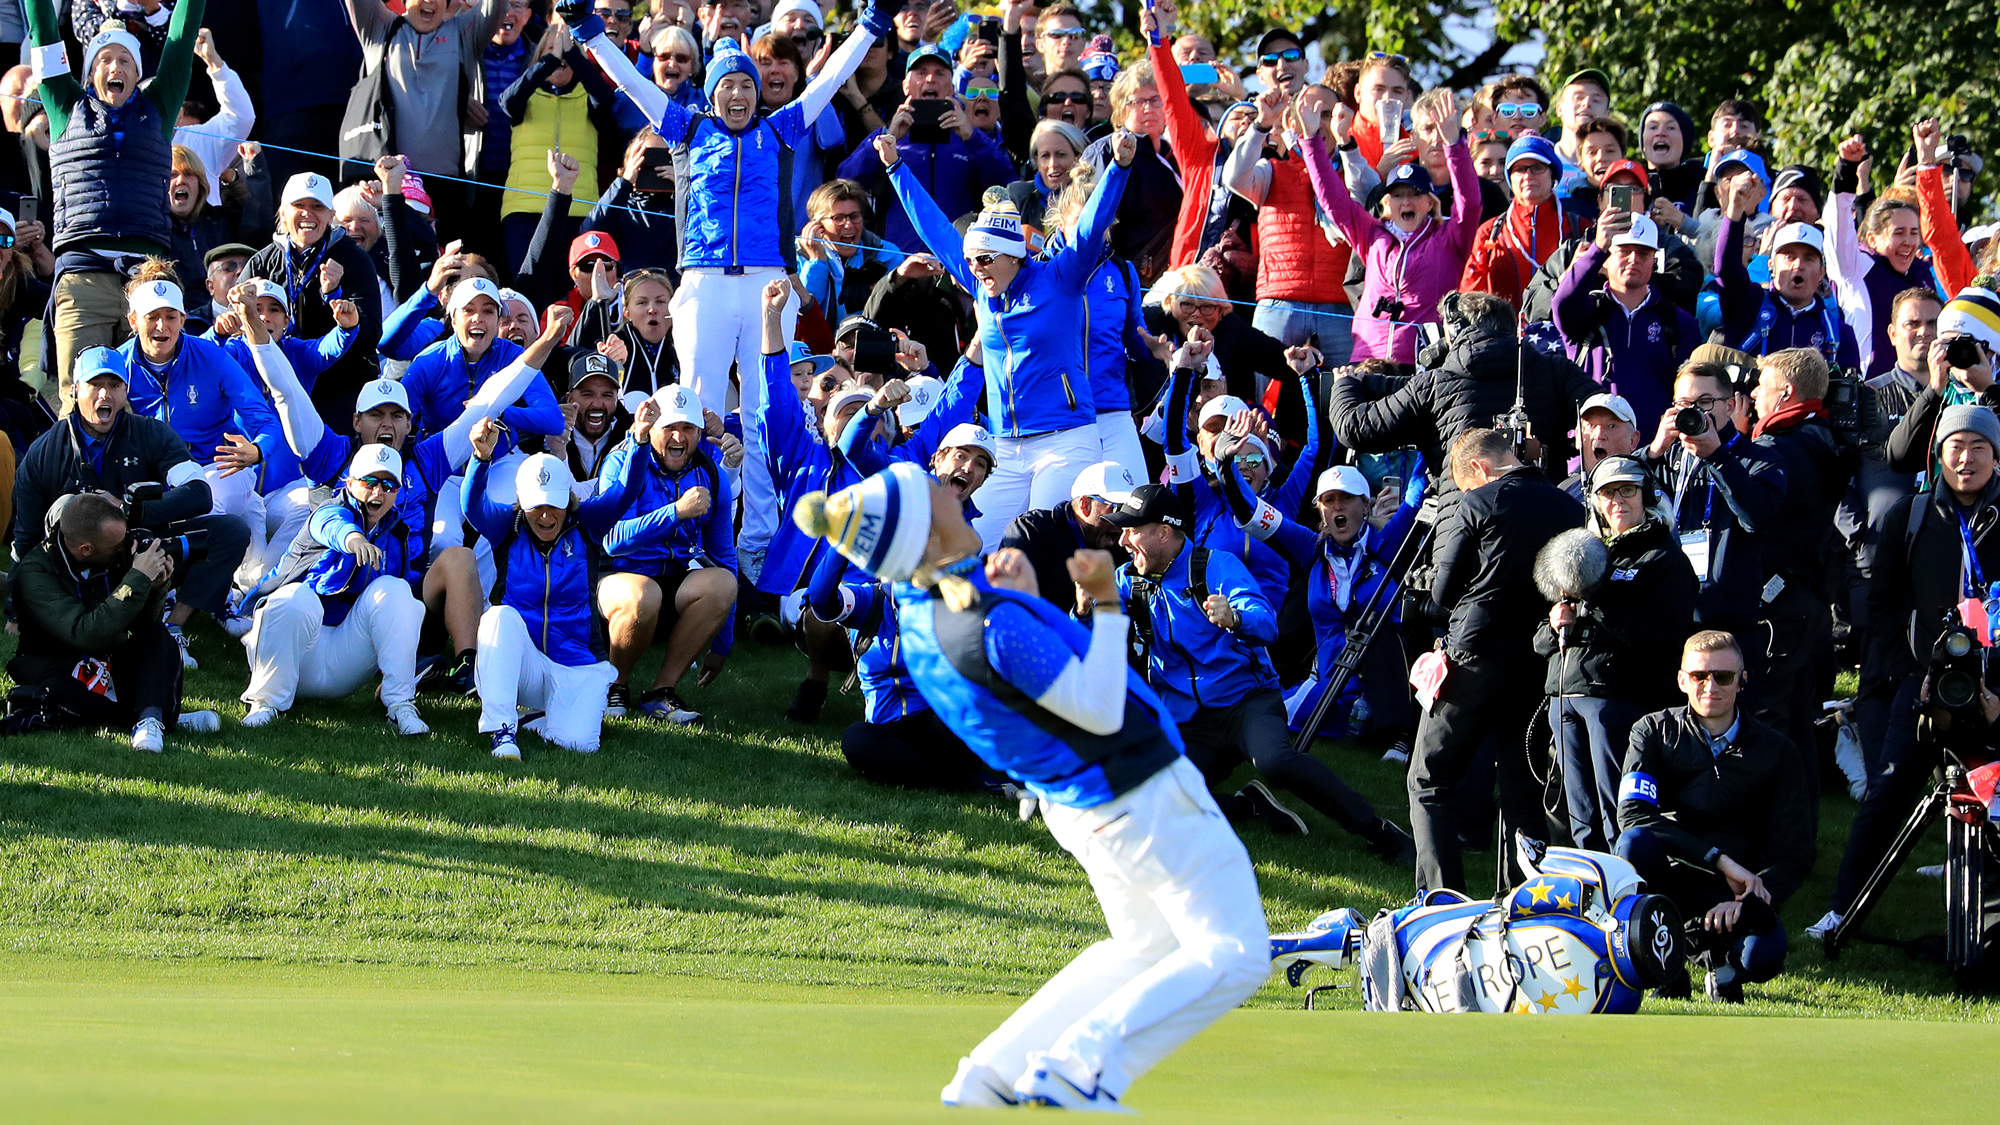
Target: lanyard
1694, 467
1972, 576
318, 253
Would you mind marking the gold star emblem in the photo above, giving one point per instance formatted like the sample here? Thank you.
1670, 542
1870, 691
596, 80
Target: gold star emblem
1547, 1001
1539, 891
1573, 986
1524, 1008
1565, 902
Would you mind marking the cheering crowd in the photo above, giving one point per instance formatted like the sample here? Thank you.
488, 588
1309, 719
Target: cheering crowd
478, 347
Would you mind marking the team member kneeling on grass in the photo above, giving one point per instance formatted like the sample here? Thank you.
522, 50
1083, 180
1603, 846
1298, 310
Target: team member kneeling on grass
1052, 703
92, 641
538, 646
673, 553
318, 570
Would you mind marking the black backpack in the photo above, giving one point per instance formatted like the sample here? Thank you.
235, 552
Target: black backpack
368, 127
1142, 622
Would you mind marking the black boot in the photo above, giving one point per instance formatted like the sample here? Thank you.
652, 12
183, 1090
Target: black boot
808, 703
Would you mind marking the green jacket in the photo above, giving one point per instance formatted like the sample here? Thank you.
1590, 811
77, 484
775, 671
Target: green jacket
66, 616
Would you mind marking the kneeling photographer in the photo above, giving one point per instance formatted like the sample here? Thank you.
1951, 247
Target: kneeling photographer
94, 648
1936, 554
102, 448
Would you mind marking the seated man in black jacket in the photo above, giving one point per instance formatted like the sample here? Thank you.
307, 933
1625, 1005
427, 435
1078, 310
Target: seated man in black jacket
1051, 535
1716, 814
102, 447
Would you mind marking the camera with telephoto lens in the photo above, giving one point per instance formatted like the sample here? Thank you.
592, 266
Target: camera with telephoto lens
1963, 352
1852, 412
1957, 671
189, 547
1691, 421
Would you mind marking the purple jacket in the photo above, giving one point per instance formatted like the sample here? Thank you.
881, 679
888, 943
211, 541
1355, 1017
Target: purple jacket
955, 174
1418, 272
1747, 327
1634, 354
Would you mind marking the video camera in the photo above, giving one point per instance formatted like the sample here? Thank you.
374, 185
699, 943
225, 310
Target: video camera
1850, 409
1956, 674
189, 547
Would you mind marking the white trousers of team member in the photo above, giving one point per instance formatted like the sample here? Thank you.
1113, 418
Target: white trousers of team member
512, 672
719, 320
236, 495
1118, 442
293, 652
1187, 943
285, 512
448, 516
1032, 473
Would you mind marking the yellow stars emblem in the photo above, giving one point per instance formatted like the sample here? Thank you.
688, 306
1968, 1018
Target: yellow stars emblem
1573, 986
1539, 892
1566, 902
1547, 1001
1523, 1008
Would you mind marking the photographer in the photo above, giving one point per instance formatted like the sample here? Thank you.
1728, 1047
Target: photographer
102, 447
93, 646
1726, 490
1717, 815
1933, 552
1049, 536
1960, 363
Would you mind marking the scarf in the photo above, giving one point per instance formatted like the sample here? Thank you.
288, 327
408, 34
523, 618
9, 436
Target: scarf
1787, 416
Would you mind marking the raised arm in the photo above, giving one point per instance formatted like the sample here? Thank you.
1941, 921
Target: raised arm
932, 224
1088, 690
1330, 189
1077, 259
60, 88
874, 24
504, 386
1287, 536
669, 119
493, 521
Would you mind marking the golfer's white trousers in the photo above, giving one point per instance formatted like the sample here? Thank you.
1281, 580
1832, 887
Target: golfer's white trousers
294, 653
510, 672
1032, 473
1187, 943
1118, 441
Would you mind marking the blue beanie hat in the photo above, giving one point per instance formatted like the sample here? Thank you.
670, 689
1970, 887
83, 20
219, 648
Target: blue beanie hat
1532, 147
730, 59
1690, 140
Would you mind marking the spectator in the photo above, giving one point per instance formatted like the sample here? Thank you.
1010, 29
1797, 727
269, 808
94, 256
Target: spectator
1049, 536
389, 219
1628, 335
1245, 360
554, 105
1888, 260
841, 258
676, 62
1790, 312
1667, 144
427, 64
112, 160
213, 139
1740, 170
1878, 487
1428, 133
1200, 151
1733, 127
1066, 98
1716, 814
781, 73
1508, 249
1973, 315
1938, 202
1204, 624
1047, 425
1298, 269
1100, 67
317, 264
1601, 147
1059, 39
1114, 330
1583, 98
635, 331
1522, 106
506, 56
537, 648
1384, 77
636, 211
311, 59
222, 268
24, 159
1144, 232
1489, 159
23, 297
1611, 649
90, 604
1485, 557
1055, 149
197, 227
1606, 426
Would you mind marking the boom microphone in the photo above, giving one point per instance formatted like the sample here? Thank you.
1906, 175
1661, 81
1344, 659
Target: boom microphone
1572, 565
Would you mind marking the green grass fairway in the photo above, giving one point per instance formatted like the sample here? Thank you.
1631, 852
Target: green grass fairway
137, 1042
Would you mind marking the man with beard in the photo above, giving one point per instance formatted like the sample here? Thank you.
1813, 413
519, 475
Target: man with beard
597, 424
1049, 536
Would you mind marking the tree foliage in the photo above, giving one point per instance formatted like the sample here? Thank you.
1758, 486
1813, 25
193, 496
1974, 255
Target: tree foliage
1820, 69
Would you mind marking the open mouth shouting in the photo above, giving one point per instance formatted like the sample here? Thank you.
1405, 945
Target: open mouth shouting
1659, 147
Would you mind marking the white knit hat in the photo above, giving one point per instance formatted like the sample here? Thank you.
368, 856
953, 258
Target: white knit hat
997, 230
113, 35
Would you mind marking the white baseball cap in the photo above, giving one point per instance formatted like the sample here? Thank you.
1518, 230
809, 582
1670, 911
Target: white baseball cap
1803, 233
155, 295
309, 185
1342, 478
463, 293
1107, 480
971, 435
810, 7
1616, 404
380, 391
543, 481
840, 401
1643, 232
375, 458
924, 393
516, 297
265, 287
1224, 407
679, 404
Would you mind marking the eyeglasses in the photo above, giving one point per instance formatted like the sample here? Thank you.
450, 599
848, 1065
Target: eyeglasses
1706, 402
1065, 33
986, 259
386, 484
1518, 109
1722, 677
1074, 97
1482, 136
990, 93
1273, 58
1627, 491
1148, 102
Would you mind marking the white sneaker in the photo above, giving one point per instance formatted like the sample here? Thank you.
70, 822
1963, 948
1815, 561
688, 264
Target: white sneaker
1932, 871
1050, 1081
238, 627
404, 717
200, 722
150, 735
1853, 764
1826, 925
504, 746
260, 716
977, 1086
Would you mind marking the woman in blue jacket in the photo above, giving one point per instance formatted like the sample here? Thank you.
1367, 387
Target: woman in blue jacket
1038, 367
539, 646
447, 373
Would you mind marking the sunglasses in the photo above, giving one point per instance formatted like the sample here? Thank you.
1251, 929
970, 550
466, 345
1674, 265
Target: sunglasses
1483, 136
986, 259
1518, 109
1251, 461
1074, 97
1273, 58
989, 93
1066, 33
1722, 678
608, 15
386, 484
6, 241
1385, 56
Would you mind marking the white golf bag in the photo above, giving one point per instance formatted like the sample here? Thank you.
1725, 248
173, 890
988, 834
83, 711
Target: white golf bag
1577, 938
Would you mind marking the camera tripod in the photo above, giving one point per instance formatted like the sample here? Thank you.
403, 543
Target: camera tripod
1965, 821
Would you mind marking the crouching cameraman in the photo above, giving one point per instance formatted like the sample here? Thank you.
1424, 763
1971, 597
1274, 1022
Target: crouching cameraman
102, 448
94, 648
1935, 551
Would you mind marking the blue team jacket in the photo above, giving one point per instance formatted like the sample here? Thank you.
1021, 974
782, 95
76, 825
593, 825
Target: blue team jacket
203, 393
799, 464
441, 379
550, 584
1193, 664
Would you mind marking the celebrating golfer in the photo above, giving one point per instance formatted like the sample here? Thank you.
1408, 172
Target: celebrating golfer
1037, 695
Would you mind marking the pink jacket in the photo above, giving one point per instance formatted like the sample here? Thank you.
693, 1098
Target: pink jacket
1418, 271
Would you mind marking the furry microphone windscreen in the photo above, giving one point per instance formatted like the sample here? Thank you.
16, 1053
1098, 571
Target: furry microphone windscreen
1572, 565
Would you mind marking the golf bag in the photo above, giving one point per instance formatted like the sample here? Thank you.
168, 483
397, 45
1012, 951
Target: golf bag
1577, 938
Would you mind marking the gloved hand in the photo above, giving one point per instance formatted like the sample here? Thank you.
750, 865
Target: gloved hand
879, 19
584, 25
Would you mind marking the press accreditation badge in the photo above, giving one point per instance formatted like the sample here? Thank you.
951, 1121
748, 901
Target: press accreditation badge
1694, 544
